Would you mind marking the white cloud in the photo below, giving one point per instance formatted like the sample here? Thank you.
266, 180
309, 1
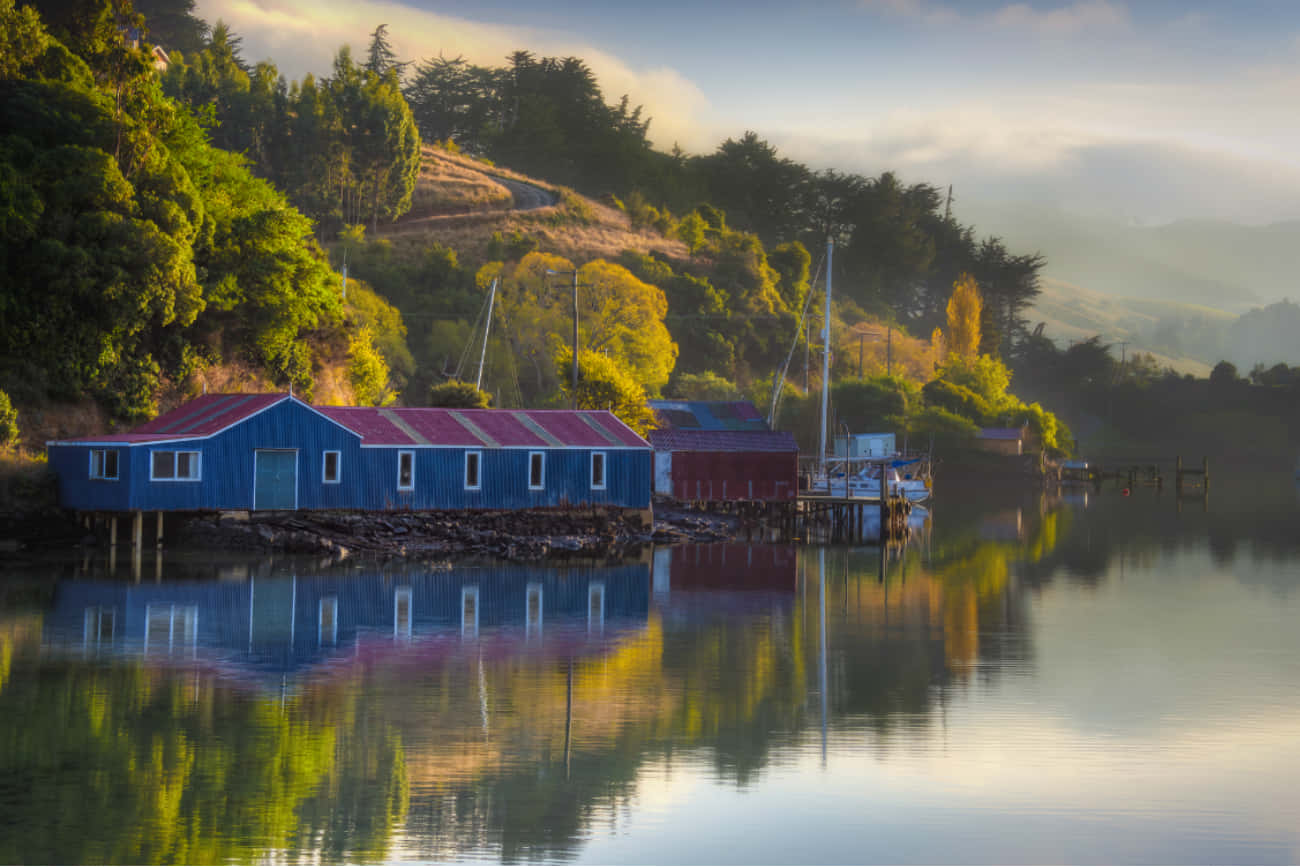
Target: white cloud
1082, 16
302, 36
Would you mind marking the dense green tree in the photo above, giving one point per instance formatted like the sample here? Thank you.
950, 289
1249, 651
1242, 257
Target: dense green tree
173, 25
380, 57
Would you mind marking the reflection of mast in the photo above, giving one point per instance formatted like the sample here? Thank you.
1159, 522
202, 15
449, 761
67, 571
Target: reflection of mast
568, 718
821, 673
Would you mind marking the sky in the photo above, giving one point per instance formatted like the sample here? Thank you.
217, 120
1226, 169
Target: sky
1146, 111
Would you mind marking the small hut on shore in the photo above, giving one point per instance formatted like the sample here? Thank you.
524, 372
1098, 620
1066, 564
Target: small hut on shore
721, 451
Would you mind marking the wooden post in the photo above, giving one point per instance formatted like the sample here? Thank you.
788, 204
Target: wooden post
137, 530
1205, 471
159, 538
884, 504
1178, 474
112, 531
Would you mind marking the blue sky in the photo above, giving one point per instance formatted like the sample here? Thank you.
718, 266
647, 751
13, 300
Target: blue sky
1148, 111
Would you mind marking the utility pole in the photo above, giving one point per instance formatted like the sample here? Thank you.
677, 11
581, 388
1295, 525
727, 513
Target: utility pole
889, 352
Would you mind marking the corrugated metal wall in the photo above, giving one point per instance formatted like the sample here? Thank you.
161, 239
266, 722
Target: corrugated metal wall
368, 476
71, 465
722, 476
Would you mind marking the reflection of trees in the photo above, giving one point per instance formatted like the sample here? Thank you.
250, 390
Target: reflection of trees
513, 757
117, 763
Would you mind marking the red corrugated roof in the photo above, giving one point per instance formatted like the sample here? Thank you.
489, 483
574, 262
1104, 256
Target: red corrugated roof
723, 441
485, 427
404, 426
208, 414
367, 423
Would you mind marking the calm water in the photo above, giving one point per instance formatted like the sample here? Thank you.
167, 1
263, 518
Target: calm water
1029, 679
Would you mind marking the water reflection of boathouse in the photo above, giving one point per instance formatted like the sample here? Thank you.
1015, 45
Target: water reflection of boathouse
286, 625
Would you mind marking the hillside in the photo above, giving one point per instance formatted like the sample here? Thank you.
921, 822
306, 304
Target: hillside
1162, 328
460, 202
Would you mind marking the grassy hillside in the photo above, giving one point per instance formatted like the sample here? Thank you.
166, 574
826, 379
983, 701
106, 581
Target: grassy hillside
460, 202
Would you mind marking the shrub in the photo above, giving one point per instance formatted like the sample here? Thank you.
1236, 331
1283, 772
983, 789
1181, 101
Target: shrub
8, 422
459, 395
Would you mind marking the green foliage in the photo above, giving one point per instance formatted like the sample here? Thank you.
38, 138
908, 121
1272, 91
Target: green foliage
345, 149
948, 428
987, 377
461, 395
387, 331
367, 371
22, 38
704, 386
8, 422
878, 403
959, 400
603, 384
128, 239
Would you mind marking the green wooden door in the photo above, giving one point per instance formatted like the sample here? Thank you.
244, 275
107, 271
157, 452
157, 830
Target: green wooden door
276, 485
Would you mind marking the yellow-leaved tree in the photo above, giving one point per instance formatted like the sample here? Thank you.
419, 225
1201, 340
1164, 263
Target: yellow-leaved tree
964, 309
619, 316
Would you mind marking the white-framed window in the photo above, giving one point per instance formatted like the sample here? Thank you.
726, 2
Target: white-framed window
473, 471
536, 471
99, 626
406, 471
469, 611
331, 467
169, 466
598, 471
533, 611
328, 632
103, 464
170, 627
402, 612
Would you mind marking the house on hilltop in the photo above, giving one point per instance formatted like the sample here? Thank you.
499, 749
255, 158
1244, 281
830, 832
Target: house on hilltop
720, 451
275, 452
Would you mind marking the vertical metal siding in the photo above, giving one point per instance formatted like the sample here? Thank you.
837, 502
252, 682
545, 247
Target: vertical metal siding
368, 477
503, 473
717, 476
71, 465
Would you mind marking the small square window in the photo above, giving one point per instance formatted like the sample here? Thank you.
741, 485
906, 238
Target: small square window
536, 471
406, 471
330, 468
473, 482
598, 471
103, 464
187, 465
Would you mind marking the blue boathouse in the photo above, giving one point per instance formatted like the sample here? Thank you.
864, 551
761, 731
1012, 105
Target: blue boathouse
236, 452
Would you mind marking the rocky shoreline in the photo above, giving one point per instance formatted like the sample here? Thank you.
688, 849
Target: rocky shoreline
431, 536
532, 535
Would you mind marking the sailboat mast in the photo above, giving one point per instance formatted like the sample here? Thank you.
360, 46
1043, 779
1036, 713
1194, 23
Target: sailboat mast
487, 329
826, 359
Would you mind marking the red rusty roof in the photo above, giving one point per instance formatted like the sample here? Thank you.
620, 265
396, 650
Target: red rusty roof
672, 440
398, 426
492, 428
207, 414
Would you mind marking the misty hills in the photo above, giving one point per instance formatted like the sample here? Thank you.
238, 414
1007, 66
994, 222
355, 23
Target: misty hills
1213, 263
